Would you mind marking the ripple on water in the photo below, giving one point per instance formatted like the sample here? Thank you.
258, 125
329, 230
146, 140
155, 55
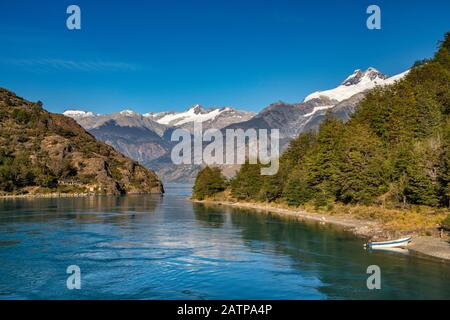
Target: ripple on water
168, 248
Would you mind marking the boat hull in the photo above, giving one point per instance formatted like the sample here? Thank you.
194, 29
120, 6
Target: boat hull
390, 244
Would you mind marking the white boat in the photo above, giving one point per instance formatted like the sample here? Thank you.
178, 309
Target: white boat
399, 243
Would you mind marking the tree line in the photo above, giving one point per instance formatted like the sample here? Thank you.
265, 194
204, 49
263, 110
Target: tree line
395, 149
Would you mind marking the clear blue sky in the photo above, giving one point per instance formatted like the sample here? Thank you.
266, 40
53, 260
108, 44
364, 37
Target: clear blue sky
160, 55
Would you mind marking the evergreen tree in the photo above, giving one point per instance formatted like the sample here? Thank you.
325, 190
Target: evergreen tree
443, 55
297, 191
362, 167
322, 163
444, 169
271, 187
208, 182
420, 188
428, 114
247, 183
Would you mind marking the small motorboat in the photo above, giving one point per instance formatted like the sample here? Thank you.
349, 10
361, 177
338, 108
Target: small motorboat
399, 243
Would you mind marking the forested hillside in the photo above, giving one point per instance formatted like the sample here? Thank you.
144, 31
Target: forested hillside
395, 150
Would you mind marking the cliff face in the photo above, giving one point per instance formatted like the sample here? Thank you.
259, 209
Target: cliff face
44, 152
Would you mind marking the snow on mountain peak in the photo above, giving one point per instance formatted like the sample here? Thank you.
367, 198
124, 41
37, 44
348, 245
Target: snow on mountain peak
213, 117
357, 82
127, 112
197, 109
359, 76
78, 113
195, 113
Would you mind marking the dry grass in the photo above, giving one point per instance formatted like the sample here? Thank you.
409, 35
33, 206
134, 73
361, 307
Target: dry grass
415, 218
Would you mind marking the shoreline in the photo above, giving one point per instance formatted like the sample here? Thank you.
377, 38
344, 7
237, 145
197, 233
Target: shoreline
68, 195
47, 195
428, 246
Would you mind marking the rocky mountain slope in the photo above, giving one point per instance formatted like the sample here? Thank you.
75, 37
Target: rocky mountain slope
42, 152
134, 135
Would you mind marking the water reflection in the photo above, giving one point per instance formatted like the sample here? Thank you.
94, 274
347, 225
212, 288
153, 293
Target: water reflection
209, 217
337, 258
148, 247
98, 209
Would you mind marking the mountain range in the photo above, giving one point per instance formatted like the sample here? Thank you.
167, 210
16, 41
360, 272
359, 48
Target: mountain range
146, 137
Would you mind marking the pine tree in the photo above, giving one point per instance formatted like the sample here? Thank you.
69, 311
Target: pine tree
297, 191
322, 163
247, 183
444, 168
443, 55
420, 188
428, 114
271, 187
362, 167
209, 182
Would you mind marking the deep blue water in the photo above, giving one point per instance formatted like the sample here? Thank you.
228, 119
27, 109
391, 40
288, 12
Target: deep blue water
152, 247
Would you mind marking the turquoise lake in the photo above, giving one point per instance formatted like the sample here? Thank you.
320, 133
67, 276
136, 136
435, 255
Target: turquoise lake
153, 247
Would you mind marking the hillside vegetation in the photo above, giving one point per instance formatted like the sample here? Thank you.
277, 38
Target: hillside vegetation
394, 151
42, 152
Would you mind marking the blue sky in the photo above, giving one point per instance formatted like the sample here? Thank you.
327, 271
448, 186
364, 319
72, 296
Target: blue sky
167, 55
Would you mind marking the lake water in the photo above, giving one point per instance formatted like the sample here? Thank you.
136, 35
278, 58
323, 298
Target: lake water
152, 247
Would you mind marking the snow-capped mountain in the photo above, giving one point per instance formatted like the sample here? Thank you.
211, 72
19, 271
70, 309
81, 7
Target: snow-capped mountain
124, 118
75, 113
78, 113
146, 137
128, 112
210, 118
195, 113
357, 82
341, 102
